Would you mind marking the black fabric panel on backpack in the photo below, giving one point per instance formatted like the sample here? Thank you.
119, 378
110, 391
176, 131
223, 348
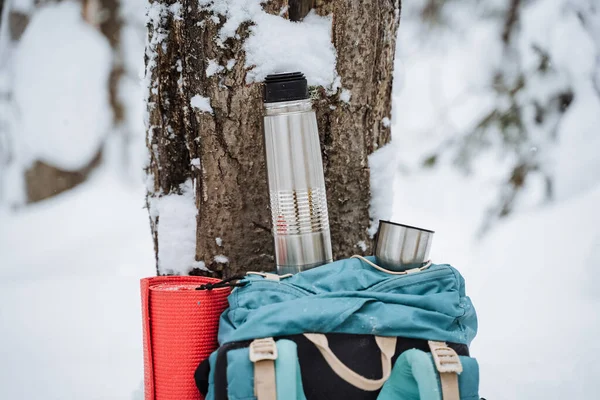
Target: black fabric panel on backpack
359, 352
201, 377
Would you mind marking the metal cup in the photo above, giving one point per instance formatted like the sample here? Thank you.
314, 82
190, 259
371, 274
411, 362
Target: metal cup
400, 247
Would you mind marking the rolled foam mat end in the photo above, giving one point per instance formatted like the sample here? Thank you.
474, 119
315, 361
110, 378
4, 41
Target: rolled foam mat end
180, 327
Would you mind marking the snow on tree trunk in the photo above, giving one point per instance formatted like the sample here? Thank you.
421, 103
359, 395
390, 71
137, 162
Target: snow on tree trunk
204, 124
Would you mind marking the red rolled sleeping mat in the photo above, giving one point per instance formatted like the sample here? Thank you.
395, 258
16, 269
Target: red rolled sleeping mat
180, 330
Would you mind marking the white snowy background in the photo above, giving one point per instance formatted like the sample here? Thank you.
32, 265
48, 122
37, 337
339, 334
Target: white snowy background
70, 325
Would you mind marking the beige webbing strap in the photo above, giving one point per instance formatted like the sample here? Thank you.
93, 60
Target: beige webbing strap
269, 276
448, 365
387, 271
387, 345
263, 353
264, 380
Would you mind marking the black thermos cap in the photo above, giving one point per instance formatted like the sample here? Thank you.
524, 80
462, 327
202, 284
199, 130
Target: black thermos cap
285, 87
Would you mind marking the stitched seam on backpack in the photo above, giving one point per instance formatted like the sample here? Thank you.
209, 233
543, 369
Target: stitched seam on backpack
382, 286
458, 320
395, 280
455, 273
386, 289
281, 287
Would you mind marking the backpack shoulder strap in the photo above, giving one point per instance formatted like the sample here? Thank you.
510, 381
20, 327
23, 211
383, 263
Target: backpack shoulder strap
263, 353
448, 366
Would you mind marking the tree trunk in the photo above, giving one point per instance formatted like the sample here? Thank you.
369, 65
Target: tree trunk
43, 180
222, 153
106, 16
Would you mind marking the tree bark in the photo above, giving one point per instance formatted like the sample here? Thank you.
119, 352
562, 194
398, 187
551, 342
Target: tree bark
17, 22
43, 180
230, 177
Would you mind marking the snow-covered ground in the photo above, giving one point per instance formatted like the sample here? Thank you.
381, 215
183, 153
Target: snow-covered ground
70, 266
533, 279
70, 320
69, 299
534, 275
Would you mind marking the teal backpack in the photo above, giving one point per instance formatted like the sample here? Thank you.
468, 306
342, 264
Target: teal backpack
345, 330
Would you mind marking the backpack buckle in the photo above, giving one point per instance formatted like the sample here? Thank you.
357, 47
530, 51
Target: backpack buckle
263, 349
445, 358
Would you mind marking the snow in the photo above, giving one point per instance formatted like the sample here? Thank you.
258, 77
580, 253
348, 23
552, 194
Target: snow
533, 276
195, 162
445, 88
177, 230
235, 13
156, 14
131, 152
574, 161
214, 68
345, 96
537, 302
577, 165
548, 314
175, 9
201, 103
61, 91
384, 166
362, 245
533, 279
69, 293
5, 42
300, 46
55, 100
70, 266
22, 6
221, 259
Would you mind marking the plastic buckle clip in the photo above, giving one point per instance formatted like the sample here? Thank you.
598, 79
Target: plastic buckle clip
263, 349
446, 360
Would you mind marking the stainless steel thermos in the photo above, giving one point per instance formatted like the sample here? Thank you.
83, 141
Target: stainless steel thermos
295, 174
